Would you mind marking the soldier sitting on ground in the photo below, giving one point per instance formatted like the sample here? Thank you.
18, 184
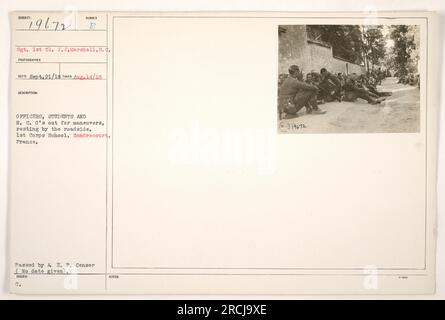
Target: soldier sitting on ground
311, 78
412, 79
341, 77
316, 77
294, 94
403, 79
281, 79
330, 86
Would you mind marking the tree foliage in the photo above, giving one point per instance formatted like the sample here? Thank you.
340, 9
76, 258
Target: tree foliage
367, 44
405, 49
373, 45
346, 40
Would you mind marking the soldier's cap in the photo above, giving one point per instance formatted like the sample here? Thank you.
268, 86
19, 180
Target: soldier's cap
293, 69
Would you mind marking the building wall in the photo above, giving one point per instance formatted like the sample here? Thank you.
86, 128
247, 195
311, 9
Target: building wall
339, 65
294, 48
319, 57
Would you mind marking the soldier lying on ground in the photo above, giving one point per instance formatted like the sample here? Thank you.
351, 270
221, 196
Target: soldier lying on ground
353, 90
370, 89
368, 84
294, 94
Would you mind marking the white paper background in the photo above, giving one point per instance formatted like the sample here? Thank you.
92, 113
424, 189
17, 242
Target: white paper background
84, 5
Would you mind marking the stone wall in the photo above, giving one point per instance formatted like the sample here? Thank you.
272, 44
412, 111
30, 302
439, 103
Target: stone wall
319, 57
340, 65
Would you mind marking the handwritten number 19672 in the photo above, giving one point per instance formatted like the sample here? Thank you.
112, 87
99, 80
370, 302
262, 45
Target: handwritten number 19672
46, 24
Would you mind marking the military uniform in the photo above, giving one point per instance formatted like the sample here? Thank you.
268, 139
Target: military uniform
353, 91
330, 87
295, 94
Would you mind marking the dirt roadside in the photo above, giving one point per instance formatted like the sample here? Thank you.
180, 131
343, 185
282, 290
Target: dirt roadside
399, 113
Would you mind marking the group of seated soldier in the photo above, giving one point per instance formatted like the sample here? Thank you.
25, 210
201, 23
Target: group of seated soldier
329, 85
318, 88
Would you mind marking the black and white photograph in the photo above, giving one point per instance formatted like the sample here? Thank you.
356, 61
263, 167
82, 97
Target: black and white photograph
348, 78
